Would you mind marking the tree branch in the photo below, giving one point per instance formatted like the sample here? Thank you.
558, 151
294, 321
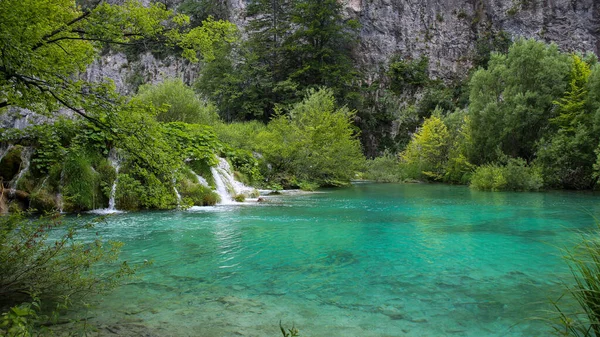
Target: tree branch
45, 38
90, 39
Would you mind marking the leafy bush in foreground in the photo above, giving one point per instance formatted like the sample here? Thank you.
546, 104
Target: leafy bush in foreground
42, 262
584, 262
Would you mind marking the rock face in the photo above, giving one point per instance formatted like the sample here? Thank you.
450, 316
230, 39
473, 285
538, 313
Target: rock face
446, 30
146, 68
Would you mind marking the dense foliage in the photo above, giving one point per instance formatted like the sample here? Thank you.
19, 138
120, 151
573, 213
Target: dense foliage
59, 39
45, 268
531, 122
179, 103
314, 142
292, 46
513, 176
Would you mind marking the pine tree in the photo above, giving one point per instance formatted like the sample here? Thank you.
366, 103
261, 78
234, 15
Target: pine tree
318, 52
268, 28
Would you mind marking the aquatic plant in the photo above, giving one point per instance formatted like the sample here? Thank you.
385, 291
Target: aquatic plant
293, 332
584, 262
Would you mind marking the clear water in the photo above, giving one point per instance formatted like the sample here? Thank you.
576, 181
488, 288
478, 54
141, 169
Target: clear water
371, 260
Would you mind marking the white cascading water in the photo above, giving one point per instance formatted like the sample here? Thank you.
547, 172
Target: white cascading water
176, 193
115, 162
221, 187
4, 150
25, 156
202, 181
227, 186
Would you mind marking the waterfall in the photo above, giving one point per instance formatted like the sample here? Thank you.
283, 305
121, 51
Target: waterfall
201, 180
176, 193
227, 186
221, 187
115, 162
25, 156
4, 150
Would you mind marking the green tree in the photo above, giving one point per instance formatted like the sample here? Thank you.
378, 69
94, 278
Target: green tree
458, 169
268, 27
408, 75
426, 155
200, 10
511, 101
45, 45
315, 142
571, 107
247, 81
180, 103
567, 156
318, 52
239, 83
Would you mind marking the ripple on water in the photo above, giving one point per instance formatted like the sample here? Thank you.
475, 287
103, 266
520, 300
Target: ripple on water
373, 260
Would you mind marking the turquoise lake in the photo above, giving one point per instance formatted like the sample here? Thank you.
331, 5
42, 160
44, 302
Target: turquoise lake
369, 260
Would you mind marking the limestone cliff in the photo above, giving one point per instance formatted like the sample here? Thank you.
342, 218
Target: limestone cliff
446, 31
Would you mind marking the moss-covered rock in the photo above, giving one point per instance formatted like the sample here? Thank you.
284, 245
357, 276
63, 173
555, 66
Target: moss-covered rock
80, 183
196, 193
43, 201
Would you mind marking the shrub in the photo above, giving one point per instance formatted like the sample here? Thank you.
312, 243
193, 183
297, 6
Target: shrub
80, 183
204, 170
245, 165
384, 169
514, 176
316, 142
179, 103
42, 201
210, 199
408, 74
59, 270
240, 135
106, 177
128, 193
308, 186
194, 193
